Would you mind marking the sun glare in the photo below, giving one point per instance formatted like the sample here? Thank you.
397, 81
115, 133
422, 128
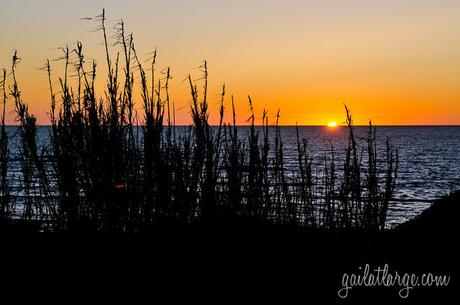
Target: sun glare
332, 124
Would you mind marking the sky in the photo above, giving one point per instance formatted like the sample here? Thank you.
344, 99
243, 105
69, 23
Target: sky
395, 62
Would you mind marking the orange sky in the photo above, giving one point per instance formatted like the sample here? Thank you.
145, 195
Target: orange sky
395, 62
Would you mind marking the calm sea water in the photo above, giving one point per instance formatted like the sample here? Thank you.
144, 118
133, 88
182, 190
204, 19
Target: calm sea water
429, 158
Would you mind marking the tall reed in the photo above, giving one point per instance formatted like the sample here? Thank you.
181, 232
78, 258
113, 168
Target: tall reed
4, 155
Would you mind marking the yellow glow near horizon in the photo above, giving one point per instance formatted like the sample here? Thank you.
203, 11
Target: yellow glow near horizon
332, 124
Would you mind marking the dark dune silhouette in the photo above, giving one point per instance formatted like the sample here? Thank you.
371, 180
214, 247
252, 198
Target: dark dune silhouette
238, 260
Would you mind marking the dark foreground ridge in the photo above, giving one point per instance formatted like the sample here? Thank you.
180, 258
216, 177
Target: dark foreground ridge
230, 260
440, 218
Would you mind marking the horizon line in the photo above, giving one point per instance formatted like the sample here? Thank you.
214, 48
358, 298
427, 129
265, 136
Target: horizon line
289, 125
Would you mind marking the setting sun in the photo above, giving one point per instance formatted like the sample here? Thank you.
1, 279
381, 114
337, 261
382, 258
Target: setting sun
332, 124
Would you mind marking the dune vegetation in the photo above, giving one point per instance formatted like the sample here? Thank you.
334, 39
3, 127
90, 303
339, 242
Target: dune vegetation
109, 168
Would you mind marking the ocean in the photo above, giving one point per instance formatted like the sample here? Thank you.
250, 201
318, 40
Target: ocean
429, 158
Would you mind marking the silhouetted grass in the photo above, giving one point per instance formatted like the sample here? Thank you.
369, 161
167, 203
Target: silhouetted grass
113, 174
4, 156
36, 203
